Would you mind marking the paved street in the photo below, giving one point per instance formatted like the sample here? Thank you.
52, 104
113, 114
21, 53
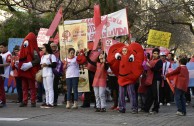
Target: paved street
59, 116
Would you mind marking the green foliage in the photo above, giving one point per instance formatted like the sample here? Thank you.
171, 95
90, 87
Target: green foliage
21, 23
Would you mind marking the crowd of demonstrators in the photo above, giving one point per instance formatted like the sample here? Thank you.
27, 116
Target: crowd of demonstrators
153, 88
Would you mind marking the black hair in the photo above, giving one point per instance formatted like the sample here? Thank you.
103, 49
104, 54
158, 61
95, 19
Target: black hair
48, 48
183, 61
71, 49
3, 44
156, 50
148, 55
105, 56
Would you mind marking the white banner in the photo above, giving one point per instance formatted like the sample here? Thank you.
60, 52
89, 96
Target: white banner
117, 25
42, 38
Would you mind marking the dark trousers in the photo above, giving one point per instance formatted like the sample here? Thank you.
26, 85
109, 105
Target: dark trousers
2, 90
19, 89
113, 85
152, 97
40, 92
180, 100
88, 96
188, 95
56, 89
72, 83
165, 93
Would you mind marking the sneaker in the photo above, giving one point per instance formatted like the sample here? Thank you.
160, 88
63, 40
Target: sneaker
97, 110
187, 104
161, 104
44, 105
179, 113
103, 110
49, 106
55, 104
168, 104
1, 104
23, 104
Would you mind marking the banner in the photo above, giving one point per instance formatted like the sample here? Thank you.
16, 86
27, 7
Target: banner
159, 38
75, 36
42, 38
117, 25
12, 42
171, 80
83, 85
55, 22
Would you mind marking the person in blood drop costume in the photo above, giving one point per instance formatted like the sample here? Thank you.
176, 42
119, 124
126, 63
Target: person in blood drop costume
29, 64
126, 64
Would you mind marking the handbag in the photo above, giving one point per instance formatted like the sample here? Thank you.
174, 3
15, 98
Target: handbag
38, 76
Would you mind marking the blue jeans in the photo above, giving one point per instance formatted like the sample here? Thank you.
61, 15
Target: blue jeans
180, 100
72, 83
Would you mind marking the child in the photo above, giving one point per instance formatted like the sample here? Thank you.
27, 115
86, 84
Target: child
181, 85
6, 56
99, 83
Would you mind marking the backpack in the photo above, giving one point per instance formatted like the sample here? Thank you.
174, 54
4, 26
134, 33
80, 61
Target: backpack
58, 70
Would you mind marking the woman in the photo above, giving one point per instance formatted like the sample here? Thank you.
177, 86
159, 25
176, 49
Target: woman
72, 77
48, 61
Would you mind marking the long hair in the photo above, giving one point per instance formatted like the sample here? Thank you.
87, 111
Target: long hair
48, 48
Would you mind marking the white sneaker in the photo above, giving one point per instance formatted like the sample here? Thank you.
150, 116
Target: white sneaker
179, 113
161, 104
168, 104
187, 104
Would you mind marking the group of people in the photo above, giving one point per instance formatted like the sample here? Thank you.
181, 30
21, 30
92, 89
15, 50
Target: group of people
147, 86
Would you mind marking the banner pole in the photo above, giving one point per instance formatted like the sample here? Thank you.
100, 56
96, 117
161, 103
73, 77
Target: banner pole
64, 38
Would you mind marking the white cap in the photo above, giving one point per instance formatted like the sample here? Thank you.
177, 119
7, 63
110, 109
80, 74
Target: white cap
162, 54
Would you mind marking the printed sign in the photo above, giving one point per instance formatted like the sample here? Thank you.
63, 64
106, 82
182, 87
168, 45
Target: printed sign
42, 38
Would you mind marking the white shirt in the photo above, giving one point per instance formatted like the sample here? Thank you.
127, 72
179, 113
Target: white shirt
166, 66
72, 68
7, 68
48, 59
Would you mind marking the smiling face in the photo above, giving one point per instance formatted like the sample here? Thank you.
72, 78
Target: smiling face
130, 67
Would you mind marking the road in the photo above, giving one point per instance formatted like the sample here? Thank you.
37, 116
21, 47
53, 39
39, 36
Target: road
59, 116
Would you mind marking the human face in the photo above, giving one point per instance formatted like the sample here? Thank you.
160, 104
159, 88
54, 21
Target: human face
124, 51
155, 55
3, 48
162, 58
71, 53
54, 47
16, 52
101, 56
169, 57
44, 49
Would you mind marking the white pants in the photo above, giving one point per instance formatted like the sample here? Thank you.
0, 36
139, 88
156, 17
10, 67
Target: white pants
100, 97
49, 92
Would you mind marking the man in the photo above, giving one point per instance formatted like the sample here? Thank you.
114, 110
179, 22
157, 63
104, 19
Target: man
6, 57
155, 66
56, 52
164, 87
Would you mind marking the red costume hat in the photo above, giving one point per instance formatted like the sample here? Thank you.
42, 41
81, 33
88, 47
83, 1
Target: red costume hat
127, 67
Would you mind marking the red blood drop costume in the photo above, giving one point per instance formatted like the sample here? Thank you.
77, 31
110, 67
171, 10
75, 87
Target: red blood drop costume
29, 53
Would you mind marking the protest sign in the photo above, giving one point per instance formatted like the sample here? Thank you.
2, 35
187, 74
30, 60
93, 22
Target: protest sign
42, 38
159, 38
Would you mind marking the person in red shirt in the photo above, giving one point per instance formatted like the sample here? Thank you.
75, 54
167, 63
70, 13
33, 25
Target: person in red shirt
181, 85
